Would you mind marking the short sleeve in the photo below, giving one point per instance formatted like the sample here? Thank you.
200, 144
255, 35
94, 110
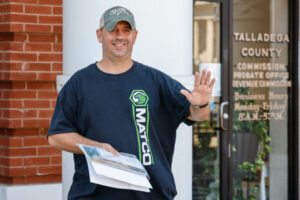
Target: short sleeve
64, 119
176, 103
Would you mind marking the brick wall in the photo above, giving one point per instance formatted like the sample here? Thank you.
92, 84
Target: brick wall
30, 60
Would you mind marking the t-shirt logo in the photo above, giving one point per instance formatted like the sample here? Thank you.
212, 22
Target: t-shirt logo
140, 111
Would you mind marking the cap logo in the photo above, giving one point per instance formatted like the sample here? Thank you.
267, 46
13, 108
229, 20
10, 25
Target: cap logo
118, 11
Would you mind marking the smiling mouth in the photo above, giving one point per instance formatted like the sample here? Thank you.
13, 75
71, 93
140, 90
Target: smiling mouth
119, 44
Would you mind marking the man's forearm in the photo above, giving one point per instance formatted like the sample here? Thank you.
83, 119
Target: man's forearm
68, 141
199, 114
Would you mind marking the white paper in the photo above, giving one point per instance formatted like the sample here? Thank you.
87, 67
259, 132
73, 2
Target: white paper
123, 172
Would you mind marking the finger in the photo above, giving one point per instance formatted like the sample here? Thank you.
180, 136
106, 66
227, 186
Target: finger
115, 152
211, 85
187, 95
197, 80
203, 75
109, 148
207, 80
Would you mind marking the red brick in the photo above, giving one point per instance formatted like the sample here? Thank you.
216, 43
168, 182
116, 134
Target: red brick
11, 27
12, 180
43, 151
5, 84
14, 123
31, 161
10, 103
37, 47
36, 123
11, 162
47, 76
50, 19
47, 94
36, 104
15, 142
21, 152
21, 56
12, 114
37, 9
56, 66
57, 47
45, 113
52, 178
4, 8
57, 29
41, 38
4, 66
37, 28
16, 46
37, 67
41, 85
21, 76
16, 8
20, 18
24, 1
55, 160
50, 57
21, 37
29, 113
57, 10
25, 132
59, 38
6, 46
20, 171
35, 141
8, 8
51, 2
19, 94
15, 66
12, 85
45, 170
4, 141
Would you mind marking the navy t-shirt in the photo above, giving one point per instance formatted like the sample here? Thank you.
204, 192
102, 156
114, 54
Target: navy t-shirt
136, 112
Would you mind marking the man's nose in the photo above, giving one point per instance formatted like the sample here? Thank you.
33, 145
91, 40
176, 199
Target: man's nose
120, 34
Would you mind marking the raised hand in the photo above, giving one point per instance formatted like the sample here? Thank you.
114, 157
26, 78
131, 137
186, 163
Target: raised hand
202, 91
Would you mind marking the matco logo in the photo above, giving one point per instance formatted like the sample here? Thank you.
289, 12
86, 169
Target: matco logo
140, 111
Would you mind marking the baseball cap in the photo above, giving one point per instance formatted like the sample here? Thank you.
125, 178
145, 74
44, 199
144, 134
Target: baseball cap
113, 15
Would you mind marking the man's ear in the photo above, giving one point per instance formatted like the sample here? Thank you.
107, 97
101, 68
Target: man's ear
135, 35
99, 35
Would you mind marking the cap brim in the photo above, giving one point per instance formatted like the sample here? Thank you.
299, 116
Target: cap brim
111, 25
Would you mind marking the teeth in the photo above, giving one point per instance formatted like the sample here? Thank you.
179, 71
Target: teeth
119, 45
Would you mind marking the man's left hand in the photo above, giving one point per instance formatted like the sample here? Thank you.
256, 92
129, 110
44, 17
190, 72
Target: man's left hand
202, 91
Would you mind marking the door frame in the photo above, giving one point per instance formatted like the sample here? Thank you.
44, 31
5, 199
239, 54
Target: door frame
226, 28
293, 104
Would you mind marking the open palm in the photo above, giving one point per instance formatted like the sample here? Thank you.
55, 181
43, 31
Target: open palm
203, 88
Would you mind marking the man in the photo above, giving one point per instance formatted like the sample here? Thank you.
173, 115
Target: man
124, 106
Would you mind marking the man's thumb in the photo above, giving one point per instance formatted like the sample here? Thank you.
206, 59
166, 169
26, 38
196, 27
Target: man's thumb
186, 94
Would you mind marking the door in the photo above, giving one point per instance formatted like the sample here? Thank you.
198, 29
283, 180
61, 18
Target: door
211, 146
249, 147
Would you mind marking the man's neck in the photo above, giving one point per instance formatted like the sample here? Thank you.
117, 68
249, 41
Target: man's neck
114, 66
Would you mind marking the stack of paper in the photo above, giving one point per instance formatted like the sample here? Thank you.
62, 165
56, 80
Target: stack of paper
123, 172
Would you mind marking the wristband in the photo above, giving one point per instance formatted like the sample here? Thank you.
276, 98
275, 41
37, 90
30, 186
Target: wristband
201, 106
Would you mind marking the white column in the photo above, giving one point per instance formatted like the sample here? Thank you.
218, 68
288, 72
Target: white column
32, 192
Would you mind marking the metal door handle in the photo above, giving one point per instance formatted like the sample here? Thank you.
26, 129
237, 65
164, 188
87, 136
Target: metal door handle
223, 115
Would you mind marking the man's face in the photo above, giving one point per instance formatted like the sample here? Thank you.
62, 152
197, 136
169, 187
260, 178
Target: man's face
118, 42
